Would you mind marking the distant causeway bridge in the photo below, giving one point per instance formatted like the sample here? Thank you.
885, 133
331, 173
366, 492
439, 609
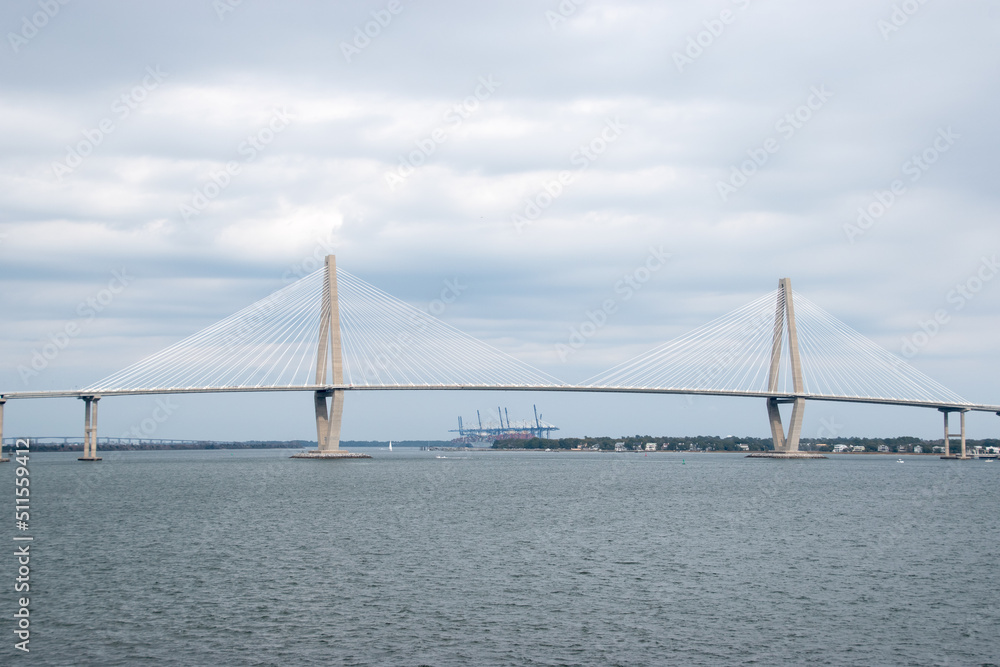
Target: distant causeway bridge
331, 332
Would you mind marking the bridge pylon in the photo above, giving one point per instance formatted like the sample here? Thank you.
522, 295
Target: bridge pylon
329, 403
784, 319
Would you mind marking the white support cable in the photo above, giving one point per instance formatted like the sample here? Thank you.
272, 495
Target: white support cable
714, 356
278, 339
853, 365
274, 342
239, 351
401, 345
220, 333
387, 342
732, 353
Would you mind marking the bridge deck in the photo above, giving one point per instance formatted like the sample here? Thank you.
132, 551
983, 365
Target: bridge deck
977, 407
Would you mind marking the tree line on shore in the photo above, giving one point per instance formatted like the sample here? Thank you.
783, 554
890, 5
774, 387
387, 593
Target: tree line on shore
726, 444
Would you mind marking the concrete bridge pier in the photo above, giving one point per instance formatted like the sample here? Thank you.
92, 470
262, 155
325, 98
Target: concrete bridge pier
948, 436
781, 442
328, 419
2, 402
90, 429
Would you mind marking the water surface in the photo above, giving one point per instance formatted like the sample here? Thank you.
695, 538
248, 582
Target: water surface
508, 558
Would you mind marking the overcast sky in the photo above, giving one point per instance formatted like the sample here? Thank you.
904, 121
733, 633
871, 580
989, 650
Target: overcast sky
174, 162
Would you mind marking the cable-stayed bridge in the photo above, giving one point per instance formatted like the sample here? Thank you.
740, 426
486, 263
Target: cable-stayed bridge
332, 332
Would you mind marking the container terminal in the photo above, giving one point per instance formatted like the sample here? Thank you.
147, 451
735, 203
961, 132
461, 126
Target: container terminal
502, 428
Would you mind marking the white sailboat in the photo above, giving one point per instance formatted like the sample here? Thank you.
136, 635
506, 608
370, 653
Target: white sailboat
390, 445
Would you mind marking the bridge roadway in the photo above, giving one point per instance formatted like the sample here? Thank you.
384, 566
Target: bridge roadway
956, 407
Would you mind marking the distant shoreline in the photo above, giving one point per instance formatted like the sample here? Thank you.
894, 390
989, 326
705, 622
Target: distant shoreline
671, 451
211, 444
748, 444
704, 445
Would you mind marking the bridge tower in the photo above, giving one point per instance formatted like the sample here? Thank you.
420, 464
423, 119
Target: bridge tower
785, 315
329, 402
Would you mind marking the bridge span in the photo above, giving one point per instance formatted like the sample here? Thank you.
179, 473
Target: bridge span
370, 341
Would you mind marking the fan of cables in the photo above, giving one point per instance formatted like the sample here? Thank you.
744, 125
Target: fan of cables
274, 343
733, 354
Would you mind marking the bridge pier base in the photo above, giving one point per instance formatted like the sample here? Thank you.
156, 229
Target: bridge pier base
786, 447
328, 420
2, 402
791, 442
948, 436
90, 429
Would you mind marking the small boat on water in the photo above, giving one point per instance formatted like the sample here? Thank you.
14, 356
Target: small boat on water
900, 461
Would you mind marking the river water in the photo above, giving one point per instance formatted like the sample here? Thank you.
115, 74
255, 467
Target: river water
507, 558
